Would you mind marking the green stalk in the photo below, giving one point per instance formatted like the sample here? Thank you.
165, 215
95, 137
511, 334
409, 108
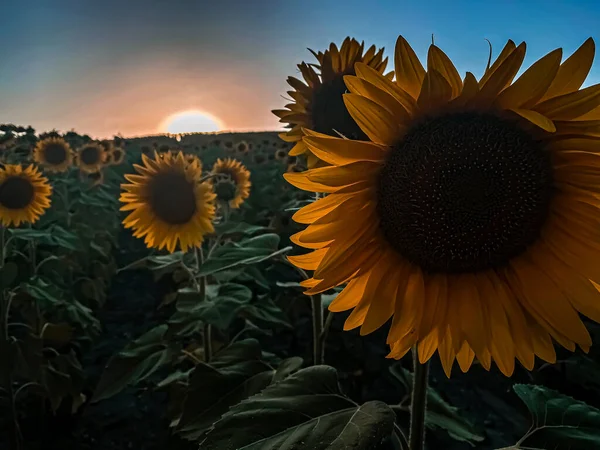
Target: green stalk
201, 287
418, 405
317, 321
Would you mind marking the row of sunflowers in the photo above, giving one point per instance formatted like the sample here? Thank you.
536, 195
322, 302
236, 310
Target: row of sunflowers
454, 214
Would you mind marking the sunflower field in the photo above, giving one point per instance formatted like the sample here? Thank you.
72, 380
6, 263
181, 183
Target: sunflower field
313, 289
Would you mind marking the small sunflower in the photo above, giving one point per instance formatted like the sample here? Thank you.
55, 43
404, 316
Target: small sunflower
117, 156
169, 206
259, 158
471, 219
242, 147
54, 154
232, 183
91, 157
24, 195
318, 102
280, 154
228, 145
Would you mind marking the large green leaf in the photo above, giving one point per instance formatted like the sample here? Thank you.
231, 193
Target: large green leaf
304, 411
559, 421
440, 414
265, 313
233, 227
137, 361
246, 252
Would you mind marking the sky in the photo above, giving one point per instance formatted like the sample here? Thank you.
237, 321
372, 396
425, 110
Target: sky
108, 67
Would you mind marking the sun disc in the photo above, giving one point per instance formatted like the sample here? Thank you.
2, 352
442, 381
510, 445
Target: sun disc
193, 121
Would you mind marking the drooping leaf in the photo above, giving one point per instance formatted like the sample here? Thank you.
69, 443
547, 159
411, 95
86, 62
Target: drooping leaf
305, 410
137, 361
246, 252
559, 421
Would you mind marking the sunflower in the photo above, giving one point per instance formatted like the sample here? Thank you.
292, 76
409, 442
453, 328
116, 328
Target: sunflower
259, 158
24, 195
476, 201
91, 157
192, 159
96, 178
54, 154
168, 203
318, 102
280, 154
242, 147
232, 182
228, 145
117, 156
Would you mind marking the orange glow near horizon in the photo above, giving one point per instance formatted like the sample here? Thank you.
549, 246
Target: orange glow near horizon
191, 121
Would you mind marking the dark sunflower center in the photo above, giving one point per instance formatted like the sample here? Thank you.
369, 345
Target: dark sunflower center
90, 155
16, 193
172, 198
464, 192
329, 113
225, 190
55, 154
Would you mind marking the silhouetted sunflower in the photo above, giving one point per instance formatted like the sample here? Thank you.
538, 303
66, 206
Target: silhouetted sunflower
471, 219
96, 178
232, 184
54, 154
228, 145
259, 158
117, 156
24, 195
169, 206
242, 147
318, 103
91, 157
280, 154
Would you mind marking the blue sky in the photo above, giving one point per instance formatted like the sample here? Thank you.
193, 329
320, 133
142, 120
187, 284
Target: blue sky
103, 67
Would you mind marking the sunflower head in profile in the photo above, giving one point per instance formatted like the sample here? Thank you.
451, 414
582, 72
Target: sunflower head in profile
117, 156
91, 157
96, 178
24, 195
54, 154
280, 154
318, 100
231, 182
169, 206
471, 218
228, 145
242, 147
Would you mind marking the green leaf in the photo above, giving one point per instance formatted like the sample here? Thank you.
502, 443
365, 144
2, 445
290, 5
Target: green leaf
137, 361
246, 252
265, 313
233, 227
439, 413
305, 410
560, 422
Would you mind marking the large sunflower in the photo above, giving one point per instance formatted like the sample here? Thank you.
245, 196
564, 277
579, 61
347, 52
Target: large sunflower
91, 157
54, 154
318, 102
24, 195
168, 204
472, 218
232, 182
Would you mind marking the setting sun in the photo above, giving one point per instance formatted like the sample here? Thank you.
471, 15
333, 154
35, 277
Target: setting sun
193, 121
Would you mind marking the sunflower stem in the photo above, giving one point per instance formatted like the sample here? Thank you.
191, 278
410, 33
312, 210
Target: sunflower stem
201, 288
418, 406
317, 319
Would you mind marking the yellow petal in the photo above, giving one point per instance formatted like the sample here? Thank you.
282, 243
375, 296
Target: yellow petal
573, 72
376, 122
571, 106
531, 86
536, 118
435, 91
362, 87
409, 70
505, 53
470, 90
439, 61
308, 261
501, 77
345, 151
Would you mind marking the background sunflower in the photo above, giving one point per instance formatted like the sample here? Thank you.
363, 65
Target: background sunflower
318, 103
475, 202
24, 195
54, 153
91, 157
169, 207
235, 181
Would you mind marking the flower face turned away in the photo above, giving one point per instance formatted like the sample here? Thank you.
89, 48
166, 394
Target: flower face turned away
470, 214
